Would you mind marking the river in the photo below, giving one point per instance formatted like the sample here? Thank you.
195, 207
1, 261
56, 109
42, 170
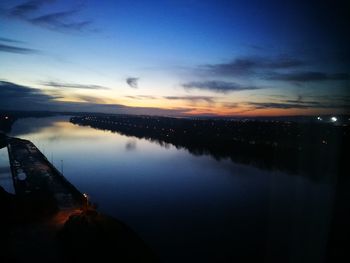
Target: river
189, 208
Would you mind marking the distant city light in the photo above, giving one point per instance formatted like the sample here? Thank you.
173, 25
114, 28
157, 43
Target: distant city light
6, 118
334, 119
319, 118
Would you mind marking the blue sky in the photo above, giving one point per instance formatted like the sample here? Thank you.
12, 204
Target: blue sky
175, 57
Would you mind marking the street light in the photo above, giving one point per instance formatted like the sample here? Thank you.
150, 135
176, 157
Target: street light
86, 203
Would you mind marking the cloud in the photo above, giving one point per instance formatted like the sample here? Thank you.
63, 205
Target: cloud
89, 99
231, 105
11, 90
60, 21
218, 86
335, 98
192, 98
280, 68
308, 76
16, 49
141, 97
132, 82
250, 65
57, 21
275, 105
72, 85
296, 105
18, 97
303, 102
27, 7
4, 39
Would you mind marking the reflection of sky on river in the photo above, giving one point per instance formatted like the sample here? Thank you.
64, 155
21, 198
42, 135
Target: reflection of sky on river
187, 205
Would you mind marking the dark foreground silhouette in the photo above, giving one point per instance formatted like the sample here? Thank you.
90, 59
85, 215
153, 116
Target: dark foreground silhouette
91, 235
32, 232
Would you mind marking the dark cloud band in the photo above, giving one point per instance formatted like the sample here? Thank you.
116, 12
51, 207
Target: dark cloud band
60, 21
217, 86
72, 85
308, 76
192, 98
288, 105
16, 49
250, 65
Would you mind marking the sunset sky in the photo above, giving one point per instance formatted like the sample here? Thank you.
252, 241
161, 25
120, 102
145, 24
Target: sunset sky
175, 57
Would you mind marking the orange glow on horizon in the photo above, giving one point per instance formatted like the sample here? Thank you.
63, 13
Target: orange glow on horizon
250, 112
214, 106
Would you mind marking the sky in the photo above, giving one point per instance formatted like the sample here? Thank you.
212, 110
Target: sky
176, 57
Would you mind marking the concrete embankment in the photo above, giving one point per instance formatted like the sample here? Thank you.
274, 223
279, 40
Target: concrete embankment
33, 173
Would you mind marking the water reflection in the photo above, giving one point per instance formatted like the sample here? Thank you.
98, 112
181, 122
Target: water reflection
190, 208
130, 145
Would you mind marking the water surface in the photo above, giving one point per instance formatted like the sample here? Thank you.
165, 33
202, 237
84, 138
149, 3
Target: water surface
189, 208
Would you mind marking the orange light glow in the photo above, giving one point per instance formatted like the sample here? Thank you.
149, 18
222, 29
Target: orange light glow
61, 217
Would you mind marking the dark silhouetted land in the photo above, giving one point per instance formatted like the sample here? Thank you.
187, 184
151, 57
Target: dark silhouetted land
312, 147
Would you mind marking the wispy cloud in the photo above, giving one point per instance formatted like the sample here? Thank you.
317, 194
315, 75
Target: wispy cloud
276, 105
334, 98
249, 65
16, 49
301, 102
58, 21
231, 105
141, 97
72, 85
297, 105
63, 21
308, 76
89, 99
208, 99
25, 8
132, 82
9, 40
218, 86
278, 68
